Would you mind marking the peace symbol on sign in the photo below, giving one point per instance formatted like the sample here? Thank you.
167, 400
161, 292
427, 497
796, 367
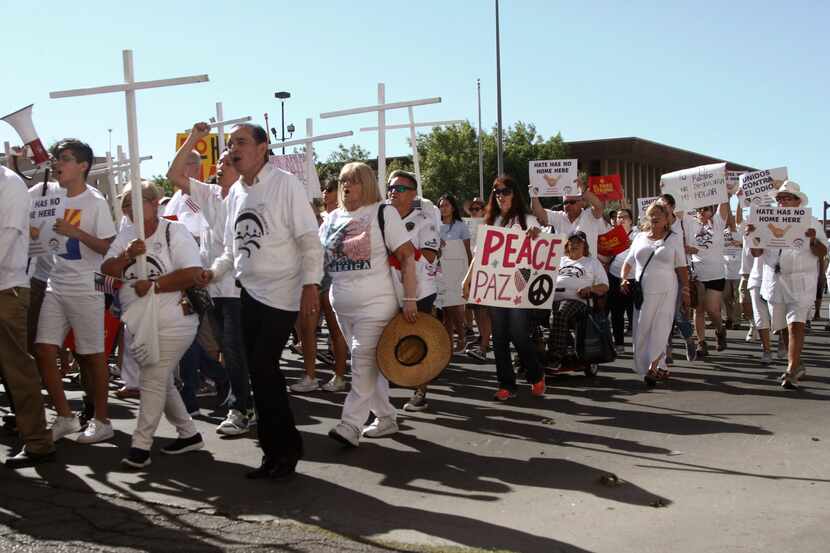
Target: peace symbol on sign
540, 290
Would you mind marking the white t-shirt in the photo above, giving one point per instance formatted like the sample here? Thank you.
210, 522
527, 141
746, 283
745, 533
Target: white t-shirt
264, 222
423, 234
356, 257
732, 254
14, 230
73, 273
515, 224
586, 222
183, 253
575, 274
707, 263
214, 208
791, 276
660, 275
183, 209
615, 267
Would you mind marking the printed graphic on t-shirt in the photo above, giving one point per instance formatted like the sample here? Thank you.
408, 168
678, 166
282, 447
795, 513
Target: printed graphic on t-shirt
155, 268
349, 246
249, 229
73, 245
704, 237
571, 271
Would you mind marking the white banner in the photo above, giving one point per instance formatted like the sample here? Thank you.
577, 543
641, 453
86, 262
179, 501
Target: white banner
513, 270
696, 187
642, 205
295, 164
43, 240
779, 227
759, 187
554, 177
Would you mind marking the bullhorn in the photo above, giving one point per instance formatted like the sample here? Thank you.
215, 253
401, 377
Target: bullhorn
21, 120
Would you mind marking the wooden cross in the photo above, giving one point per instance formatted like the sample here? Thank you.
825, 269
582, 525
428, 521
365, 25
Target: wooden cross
381, 108
308, 142
128, 88
416, 160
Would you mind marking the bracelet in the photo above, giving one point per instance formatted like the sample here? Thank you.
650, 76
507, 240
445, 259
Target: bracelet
410, 299
156, 287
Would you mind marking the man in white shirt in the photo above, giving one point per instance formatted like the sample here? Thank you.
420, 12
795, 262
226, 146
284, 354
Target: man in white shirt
71, 300
579, 213
271, 244
419, 221
17, 366
789, 283
211, 199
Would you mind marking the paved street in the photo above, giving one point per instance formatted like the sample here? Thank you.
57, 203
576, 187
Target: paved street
719, 460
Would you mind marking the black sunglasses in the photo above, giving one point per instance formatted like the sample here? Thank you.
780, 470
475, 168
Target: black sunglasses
399, 188
569, 202
504, 191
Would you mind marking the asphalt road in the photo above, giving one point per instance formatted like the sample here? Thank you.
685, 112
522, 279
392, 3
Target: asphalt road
720, 459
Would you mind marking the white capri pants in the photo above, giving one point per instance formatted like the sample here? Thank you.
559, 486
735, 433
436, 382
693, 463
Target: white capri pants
760, 309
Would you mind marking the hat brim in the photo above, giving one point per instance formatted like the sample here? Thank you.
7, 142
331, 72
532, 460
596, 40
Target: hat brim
438, 350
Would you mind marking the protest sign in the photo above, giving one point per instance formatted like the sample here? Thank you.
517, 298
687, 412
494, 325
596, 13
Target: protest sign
607, 188
642, 205
554, 177
759, 187
733, 180
295, 164
613, 242
513, 270
208, 148
696, 187
779, 227
44, 211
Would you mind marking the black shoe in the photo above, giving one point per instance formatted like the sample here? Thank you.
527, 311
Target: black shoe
137, 458
88, 412
283, 470
649, 382
183, 445
721, 344
26, 459
10, 423
264, 470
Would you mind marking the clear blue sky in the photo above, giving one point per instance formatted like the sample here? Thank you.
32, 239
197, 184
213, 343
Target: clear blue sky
747, 81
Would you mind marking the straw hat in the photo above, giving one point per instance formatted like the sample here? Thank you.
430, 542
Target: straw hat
411, 354
792, 187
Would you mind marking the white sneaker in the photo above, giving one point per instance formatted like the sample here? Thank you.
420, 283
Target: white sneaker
234, 425
346, 434
96, 431
781, 355
752, 334
381, 426
307, 384
64, 426
766, 358
336, 384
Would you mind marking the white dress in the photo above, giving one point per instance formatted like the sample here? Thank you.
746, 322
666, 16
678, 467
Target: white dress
654, 320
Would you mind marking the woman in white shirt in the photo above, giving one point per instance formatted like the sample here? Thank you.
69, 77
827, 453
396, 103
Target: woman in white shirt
363, 296
580, 277
657, 261
704, 244
507, 208
173, 264
789, 283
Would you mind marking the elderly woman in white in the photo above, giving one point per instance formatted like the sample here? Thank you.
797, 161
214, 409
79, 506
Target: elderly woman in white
789, 282
657, 261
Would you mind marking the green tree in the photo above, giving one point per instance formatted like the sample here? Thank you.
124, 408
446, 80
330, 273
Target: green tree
340, 157
164, 183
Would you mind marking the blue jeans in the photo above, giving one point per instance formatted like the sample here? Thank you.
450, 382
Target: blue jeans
194, 359
680, 319
513, 325
227, 323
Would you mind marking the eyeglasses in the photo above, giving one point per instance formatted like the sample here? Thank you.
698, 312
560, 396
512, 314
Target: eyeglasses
399, 188
504, 191
349, 183
785, 197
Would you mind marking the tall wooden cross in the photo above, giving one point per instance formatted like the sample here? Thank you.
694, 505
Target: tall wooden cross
128, 88
381, 108
308, 142
111, 168
416, 160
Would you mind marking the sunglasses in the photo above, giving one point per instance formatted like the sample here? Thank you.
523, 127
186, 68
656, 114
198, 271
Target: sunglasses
569, 202
399, 188
502, 192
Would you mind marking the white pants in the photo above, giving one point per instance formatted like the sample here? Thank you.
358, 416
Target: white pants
370, 389
652, 326
129, 366
760, 309
159, 393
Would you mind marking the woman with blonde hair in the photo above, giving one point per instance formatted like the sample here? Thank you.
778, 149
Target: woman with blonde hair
657, 260
357, 238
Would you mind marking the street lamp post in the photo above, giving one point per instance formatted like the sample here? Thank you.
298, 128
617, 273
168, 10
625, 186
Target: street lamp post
499, 146
283, 96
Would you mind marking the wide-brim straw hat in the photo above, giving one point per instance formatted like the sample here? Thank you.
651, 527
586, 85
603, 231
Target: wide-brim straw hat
412, 354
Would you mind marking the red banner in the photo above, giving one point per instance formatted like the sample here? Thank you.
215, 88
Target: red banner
613, 242
607, 188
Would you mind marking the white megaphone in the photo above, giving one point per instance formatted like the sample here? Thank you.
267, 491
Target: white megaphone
21, 120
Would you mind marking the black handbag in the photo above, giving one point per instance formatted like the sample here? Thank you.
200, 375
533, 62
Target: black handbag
198, 297
594, 342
